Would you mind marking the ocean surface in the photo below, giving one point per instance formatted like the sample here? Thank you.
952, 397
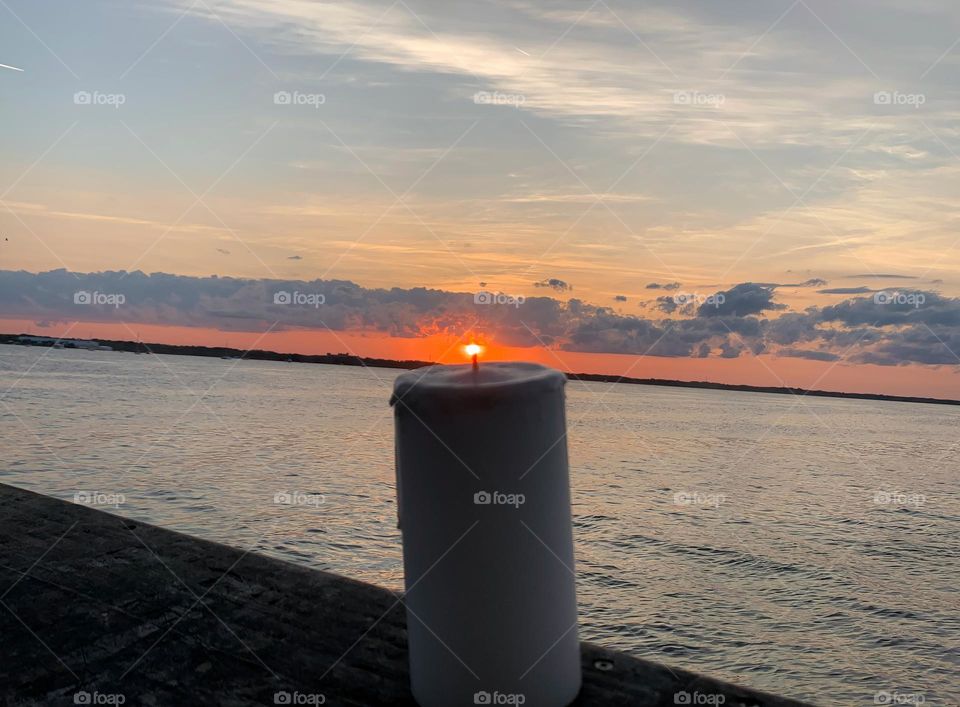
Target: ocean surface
808, 547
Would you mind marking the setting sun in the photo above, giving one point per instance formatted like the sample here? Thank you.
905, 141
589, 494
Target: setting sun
473, 350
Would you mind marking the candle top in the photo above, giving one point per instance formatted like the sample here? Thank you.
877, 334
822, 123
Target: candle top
491, 381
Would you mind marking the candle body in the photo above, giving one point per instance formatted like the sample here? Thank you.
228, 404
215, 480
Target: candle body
484, 504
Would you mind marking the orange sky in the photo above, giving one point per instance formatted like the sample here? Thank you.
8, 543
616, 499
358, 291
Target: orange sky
928, 381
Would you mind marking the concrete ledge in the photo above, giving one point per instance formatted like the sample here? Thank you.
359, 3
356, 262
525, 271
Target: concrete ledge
94, 605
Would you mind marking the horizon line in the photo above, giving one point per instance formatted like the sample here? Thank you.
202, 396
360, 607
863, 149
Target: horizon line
182, 350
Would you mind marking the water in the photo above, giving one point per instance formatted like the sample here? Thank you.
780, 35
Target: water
778, 568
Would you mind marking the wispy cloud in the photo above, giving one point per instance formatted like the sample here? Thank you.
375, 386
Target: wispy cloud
776, 82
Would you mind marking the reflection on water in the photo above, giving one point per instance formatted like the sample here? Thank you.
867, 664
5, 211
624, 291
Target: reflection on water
808, 547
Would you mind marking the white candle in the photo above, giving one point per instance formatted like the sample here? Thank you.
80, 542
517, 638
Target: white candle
483, 496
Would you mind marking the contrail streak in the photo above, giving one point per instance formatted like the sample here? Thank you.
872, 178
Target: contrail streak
5, 66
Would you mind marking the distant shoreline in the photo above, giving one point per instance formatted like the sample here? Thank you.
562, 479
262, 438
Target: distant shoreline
345, 359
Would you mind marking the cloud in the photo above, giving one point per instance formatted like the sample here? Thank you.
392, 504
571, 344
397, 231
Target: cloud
554, 284
791, 91
666, 304
846, 291
895, 308
741, 300
620, 298
730, 350
294, 257
881, 276
663, 286
223, 250
812, 282
932, 346
890, 328
792, 328
809, 354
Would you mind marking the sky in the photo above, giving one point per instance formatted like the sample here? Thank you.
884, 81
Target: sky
749, 192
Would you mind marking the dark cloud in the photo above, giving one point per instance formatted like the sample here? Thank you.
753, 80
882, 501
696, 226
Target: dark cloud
741, 300
792, 328
554, 284
809, 354
620, 298
663, 286
606, 332
919, 344
223, 250
895, 308
730, 350
666, 304
887, 328
294, 257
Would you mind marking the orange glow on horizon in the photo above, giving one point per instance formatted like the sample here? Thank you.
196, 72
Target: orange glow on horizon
441, 348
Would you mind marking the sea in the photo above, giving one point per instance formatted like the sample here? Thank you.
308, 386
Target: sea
804, 546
